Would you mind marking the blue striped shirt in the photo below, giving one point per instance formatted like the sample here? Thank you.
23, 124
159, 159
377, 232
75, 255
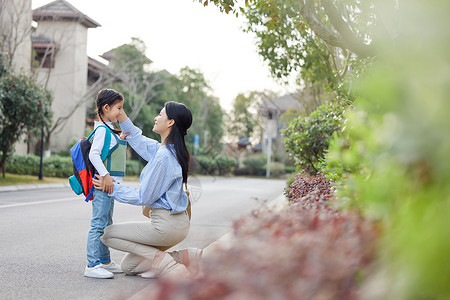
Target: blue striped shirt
161, 181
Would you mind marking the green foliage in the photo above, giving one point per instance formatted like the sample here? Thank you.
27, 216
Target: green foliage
244, 119
225, 164
276, 169
190, 87
133, 168
307, 138
256, 164
395, 155
221, 165
206, 165
53, 166
24, 106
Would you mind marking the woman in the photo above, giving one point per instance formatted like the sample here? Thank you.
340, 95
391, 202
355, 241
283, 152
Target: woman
161, 189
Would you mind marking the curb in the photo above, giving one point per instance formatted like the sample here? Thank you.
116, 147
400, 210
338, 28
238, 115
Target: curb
225, 241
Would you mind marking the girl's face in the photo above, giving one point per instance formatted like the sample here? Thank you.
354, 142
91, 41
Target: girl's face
112, 112
162, 123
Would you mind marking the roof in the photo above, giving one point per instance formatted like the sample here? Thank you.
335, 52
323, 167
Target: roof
97, 67
283, 103
40, 38
110, 55
41, 43
63, 10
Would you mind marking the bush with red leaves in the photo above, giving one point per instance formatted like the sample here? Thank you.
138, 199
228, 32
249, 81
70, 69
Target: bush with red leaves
308, 251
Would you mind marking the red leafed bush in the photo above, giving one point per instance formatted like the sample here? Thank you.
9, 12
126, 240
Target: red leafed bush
314, 188
308, 251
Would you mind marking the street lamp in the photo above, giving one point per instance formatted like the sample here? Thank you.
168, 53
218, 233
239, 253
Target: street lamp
42, 153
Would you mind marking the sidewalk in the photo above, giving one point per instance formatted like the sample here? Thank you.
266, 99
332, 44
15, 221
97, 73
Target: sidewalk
225, 241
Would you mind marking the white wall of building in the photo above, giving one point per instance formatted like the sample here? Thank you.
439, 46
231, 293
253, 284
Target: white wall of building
67, 80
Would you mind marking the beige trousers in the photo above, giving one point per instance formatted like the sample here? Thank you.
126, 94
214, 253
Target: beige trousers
142, 240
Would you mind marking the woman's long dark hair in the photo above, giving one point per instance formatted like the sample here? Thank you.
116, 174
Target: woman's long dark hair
183, 120
110, 97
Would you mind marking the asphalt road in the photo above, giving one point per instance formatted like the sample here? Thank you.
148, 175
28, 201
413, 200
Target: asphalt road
43, 236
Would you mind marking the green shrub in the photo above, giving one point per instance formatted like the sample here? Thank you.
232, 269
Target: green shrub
133, 168
307, 138
395, 158
290, 169
206, 165
256, 164
276, 169
53, 166
225, 164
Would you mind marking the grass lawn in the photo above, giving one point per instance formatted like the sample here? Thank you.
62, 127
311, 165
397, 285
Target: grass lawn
14, 179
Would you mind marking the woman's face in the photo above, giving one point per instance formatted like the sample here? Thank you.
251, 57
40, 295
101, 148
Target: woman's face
162, 123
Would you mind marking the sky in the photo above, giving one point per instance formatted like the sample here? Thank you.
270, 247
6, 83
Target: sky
181, 33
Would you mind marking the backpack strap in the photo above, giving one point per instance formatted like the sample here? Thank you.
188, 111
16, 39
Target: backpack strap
89, 196
106, 144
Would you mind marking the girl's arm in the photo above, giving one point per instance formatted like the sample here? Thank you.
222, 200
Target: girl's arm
145, 147
95, 158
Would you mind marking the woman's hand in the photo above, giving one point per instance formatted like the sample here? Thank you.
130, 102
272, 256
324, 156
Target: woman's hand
108, 185
123, 136
98, 183
123, 116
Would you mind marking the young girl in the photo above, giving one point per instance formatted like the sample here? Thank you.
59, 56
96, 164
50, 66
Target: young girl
161, 189
109, 109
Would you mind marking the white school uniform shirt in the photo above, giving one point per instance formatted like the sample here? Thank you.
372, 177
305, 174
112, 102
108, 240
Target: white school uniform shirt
96, 149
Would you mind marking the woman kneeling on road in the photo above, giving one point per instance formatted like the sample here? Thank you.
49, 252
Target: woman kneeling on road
161, 189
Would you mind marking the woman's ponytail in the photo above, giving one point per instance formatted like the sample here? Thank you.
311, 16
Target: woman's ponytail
183, 120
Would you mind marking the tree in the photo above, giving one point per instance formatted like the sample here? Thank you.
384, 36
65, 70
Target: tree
318, 40
193, 90
23, 106
344, 24
127, 66
243, 119
140, 85
15, 31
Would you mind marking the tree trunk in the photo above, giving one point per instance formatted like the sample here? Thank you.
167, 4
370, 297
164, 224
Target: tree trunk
3, 167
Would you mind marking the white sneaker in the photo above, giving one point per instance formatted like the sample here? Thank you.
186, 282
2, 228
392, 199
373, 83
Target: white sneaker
112, 267
97, 272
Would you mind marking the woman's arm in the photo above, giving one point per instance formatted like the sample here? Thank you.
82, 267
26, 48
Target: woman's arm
145, 147
155, 182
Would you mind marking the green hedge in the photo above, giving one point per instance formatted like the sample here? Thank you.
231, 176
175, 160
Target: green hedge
220, 165
53, 166
307, 138
256, 164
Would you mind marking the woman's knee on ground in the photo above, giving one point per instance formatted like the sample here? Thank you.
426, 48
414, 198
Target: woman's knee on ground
133, 264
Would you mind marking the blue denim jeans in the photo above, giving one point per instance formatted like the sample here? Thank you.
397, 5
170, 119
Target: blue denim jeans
102, 212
